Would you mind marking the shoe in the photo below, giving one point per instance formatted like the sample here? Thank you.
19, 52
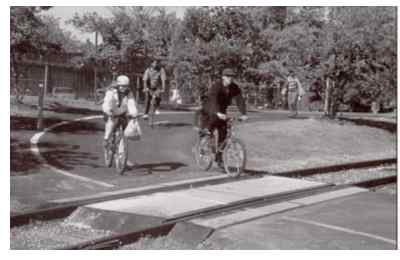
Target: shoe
157, 112
145, 116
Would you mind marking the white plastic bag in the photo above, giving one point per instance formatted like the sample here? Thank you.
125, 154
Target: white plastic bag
132, 130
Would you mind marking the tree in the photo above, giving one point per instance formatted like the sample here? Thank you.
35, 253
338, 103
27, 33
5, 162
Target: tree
130, 33
26, 37
362, 47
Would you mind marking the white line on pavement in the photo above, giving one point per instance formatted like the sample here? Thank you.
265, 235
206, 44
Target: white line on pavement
346, 230
35, 150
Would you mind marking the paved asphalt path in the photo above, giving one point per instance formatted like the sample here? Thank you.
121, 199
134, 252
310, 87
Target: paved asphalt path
162, 155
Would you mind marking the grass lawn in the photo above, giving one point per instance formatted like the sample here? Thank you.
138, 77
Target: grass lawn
295, 144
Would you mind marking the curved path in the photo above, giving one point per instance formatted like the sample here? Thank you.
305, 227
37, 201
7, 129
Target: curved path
74, 149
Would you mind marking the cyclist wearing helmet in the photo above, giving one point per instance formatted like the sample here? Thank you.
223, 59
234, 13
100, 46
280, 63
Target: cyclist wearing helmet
154, 84
218, 99
118, 104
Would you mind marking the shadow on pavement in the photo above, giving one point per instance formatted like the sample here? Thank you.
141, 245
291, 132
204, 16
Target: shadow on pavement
22, 161
298, 117
78, 127
61, 108
67, 157
171, 124
158, 167
177, 108
29, 123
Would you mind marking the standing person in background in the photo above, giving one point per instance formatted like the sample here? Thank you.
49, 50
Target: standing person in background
294, 93
154, 79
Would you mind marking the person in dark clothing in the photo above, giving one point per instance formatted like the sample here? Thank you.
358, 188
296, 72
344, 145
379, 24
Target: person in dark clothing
219, 97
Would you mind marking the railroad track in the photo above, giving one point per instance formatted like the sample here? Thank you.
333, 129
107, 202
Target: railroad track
115, 241
63, 210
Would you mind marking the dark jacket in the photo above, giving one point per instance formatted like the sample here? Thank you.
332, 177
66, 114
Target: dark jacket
220, 97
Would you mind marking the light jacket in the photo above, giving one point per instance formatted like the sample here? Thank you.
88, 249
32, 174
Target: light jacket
294, 85
155, 77
113, 106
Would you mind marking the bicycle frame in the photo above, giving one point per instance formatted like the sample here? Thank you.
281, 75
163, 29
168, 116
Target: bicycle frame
230, 133
208, 147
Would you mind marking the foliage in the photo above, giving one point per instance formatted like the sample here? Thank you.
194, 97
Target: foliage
130, 33
353, 46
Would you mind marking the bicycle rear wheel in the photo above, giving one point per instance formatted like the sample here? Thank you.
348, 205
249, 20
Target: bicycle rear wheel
234, 157
203, 153
121, 153
109, 152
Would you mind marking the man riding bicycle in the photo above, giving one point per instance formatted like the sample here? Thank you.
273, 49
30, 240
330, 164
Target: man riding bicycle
118, 104
215, 105
154, 84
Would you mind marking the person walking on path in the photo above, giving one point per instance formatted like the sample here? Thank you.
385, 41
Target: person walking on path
154, 79
294, 93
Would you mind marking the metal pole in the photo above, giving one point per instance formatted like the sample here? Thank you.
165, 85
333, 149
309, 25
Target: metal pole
95, 66
137, 88
42, 94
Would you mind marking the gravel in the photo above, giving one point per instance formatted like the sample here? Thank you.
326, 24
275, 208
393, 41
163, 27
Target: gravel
51, 235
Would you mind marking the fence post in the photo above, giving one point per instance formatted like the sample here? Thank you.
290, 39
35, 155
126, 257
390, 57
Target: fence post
42, 94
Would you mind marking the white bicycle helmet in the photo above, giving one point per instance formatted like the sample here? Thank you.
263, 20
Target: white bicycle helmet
122, 80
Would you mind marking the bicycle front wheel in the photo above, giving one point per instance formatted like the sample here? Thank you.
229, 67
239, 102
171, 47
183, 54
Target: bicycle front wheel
109, 153
203, 153
121, 155
234, 157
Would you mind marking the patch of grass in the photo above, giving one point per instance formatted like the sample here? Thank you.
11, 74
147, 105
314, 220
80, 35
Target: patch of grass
296, 144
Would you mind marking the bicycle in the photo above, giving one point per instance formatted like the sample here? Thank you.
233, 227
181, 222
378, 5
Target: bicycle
116, 149
233, 150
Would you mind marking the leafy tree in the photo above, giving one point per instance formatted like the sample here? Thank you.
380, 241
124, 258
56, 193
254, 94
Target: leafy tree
362, 44
131, 33
26, 38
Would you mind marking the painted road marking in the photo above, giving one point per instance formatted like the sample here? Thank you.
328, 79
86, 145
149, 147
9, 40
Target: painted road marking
35, 150
346, 230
